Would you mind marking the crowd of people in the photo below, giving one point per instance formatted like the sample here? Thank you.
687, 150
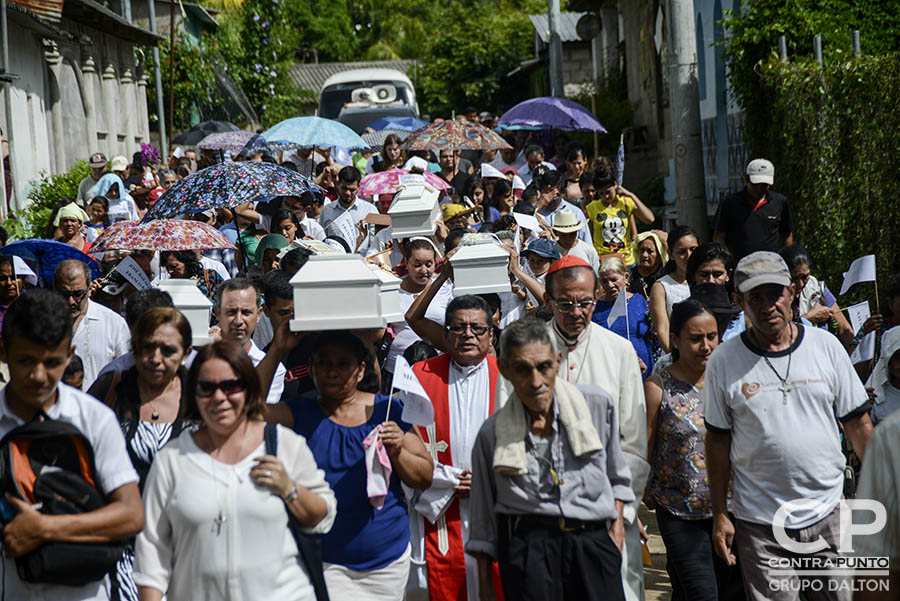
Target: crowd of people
710, 380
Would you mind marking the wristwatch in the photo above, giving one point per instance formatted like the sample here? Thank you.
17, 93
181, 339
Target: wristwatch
292, 495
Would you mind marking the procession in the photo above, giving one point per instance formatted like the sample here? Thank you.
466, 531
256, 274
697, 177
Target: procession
363, 351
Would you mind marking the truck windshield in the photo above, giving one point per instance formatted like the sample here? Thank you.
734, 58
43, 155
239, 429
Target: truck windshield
334, 97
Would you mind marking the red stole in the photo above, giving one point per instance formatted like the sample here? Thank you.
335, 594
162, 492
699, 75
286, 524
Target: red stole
444, 553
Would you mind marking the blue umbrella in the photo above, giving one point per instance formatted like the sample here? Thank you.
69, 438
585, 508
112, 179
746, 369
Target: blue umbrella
409, 124
227, 185
549, 112
315, 131
44, 255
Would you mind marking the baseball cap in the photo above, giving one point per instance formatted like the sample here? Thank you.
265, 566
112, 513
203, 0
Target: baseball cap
761, 267
543, 248
97, 160
761, 171
118, 163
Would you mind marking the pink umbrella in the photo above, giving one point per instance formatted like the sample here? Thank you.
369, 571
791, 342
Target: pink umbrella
160, 234
388, 182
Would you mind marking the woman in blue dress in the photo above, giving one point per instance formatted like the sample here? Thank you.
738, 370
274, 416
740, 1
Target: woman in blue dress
612, 278
367, 551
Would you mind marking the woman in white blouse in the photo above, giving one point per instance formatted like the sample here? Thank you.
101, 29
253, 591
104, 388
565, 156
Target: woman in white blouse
217, 523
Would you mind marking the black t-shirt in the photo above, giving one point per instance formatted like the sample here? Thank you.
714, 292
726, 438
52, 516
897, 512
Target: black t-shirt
748, 229
298, 375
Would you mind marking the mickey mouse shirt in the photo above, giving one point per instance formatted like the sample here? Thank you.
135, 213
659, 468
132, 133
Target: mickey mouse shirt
611, 227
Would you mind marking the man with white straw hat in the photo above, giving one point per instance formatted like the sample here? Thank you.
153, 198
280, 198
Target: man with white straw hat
566, 227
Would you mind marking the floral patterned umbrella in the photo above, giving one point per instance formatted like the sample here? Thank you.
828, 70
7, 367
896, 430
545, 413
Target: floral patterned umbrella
226, 140
454, 135
227, 185
160, 234
388, 182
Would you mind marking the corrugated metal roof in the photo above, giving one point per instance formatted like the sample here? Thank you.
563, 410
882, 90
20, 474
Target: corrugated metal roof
567, 22
48, 9
311, 76
99, 17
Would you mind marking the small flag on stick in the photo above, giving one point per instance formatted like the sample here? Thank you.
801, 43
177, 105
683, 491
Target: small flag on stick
861, 270
417, 407
620, 160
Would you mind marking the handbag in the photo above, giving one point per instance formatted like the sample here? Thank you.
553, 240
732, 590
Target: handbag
310, 549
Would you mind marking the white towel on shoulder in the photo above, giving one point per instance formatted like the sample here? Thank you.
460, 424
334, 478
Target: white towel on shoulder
512, 425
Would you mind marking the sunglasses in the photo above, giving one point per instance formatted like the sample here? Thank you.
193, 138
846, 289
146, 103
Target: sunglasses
76, 295
228, 387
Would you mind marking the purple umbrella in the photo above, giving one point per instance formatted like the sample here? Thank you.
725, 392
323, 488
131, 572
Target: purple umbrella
551, 113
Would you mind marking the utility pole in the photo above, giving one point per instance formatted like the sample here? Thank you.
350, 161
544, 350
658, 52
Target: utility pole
7, 79
684, 104
556, 76
157, 80
171, 67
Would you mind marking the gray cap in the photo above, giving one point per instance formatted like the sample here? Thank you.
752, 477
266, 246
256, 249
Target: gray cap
761, 267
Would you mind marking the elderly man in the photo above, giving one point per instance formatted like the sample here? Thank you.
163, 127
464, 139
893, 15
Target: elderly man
97, 163
592, 355
549, 481
772, 424
461, 385
237, 308
101, 335
550, 203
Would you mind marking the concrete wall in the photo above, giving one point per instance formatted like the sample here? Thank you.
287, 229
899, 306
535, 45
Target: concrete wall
72, 100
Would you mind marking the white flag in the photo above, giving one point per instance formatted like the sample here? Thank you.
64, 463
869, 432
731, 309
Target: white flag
861, 270
417, 407
858, 314
619, 308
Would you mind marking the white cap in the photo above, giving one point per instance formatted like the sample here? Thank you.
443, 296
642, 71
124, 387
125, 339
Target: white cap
761, 171
491, 171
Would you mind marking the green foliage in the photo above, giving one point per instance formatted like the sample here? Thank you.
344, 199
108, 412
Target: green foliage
753, 39
44, 194
195, 83
835, 139
470, 51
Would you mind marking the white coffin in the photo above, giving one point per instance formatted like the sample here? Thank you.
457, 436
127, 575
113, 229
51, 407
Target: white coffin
480, 268
389, 296
193, 304
414, 210
336, 292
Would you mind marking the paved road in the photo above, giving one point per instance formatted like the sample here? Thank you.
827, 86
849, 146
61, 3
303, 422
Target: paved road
656, 580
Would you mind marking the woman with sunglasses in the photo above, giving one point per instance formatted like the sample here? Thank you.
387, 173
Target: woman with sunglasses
216, 504
150, 401
367, 552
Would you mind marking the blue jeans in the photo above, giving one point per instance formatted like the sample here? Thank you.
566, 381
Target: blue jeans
696, 572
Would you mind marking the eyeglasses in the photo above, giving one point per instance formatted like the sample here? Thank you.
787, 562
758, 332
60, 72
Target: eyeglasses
228, 387
567, 306
75, 295
460, 328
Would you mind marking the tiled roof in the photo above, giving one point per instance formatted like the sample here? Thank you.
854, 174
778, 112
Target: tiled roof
311, 76
567, 22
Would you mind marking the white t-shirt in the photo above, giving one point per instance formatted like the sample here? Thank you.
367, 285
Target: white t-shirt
783, 451
113, 468
403, 334
102, 335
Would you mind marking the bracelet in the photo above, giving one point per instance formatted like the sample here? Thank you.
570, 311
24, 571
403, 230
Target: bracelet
292, 495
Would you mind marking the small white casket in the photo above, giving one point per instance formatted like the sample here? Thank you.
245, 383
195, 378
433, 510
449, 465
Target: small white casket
336, 292
389, 297
193, 304
414, 210
480, 266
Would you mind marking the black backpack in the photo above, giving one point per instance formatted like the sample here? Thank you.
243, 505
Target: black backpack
52, 463
310, 548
